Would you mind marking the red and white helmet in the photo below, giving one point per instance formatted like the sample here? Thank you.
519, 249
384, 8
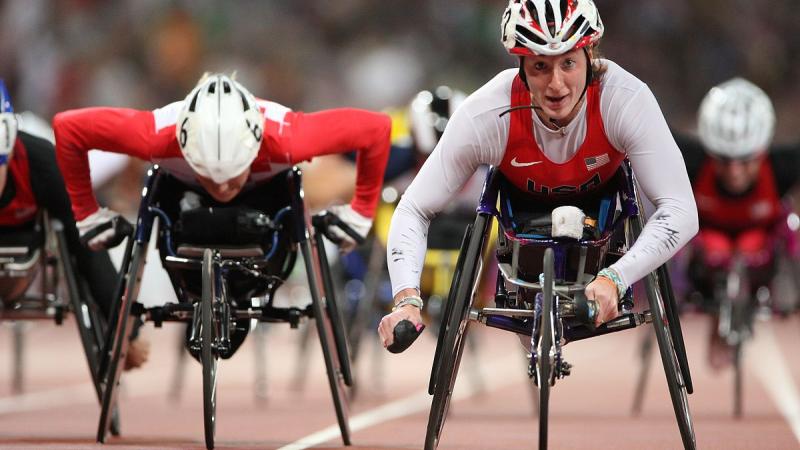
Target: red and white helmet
219, 128
549, 27
736, 120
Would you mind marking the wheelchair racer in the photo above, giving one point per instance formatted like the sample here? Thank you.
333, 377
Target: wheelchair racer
223, 143
30, 181
740, 181
557, 127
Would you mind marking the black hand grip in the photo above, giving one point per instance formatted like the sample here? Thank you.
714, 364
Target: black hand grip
324, 220
405, 333
585, 310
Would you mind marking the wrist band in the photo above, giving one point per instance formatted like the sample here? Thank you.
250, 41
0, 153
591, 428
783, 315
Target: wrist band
410, 300
612, 275
3, 160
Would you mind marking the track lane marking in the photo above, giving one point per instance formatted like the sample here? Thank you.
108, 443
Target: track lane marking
771, 369
411, 404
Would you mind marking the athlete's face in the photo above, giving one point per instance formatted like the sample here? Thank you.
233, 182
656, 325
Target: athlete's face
224, 192
738, 175
556, 84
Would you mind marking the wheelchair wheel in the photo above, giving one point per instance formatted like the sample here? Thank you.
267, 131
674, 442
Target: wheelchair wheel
208, 339
334, 313
448, 310
455, 325
741, 318
327, 340
91, 327
675, 383
671, 310
118, 338
544, 366
737, 380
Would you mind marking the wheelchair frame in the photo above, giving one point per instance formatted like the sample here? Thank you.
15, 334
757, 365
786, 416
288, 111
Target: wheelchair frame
211, 315
547, 318
51, 262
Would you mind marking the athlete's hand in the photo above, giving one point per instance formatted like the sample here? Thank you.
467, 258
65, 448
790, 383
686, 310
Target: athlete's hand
360, 224
98, 231
390, 321
604, 291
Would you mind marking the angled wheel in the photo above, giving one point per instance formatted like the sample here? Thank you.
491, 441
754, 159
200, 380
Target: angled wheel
666, 347
671, 310
675, 382
334, 313
455, 324
322, 318
544, 363
118, 337
208, 341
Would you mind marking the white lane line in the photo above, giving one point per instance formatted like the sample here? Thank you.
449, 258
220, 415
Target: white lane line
409, 405
53, 398
768, 363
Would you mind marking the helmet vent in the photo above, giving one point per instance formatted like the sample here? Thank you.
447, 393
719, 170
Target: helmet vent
212, 87
529, 35
226, 87
550, 18
245, 104
193, 104
532, 9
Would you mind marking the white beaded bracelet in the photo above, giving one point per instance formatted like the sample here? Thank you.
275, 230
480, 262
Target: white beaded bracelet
410, 300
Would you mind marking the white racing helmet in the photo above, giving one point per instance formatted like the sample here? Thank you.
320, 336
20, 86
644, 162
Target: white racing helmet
219, 128
736, 119
549, 27
429, 113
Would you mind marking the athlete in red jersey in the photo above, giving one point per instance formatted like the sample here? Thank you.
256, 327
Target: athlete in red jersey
30, 182
224, 140
557, 127
739, 183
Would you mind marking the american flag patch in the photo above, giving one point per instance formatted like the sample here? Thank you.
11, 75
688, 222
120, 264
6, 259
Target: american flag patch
596, 161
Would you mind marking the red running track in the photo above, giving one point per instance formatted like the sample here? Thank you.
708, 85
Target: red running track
589, 409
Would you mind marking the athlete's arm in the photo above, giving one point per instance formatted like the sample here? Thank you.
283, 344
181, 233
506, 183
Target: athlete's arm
692, 151
116, 130
466, 144
341, 131
638, 127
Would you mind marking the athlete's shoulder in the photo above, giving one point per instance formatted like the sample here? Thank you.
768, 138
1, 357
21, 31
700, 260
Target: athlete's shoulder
616, 78
492, 98
272, 110
167, 115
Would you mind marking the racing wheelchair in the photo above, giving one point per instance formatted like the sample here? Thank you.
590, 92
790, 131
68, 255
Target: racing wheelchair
539, 293
37, 253
737, 291
225, 263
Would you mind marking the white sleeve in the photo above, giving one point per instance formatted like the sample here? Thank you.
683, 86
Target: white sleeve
467, 143
639, 128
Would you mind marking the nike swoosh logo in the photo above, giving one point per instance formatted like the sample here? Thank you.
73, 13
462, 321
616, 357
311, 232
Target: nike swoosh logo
523, 164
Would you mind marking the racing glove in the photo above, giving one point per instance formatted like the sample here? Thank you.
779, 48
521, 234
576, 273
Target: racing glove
360, 224
99, 231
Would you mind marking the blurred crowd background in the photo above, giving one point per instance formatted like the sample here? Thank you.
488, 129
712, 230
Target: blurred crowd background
315, 54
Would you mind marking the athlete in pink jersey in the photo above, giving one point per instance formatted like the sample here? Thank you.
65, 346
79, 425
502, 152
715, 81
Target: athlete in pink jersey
224, 140
557, 127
